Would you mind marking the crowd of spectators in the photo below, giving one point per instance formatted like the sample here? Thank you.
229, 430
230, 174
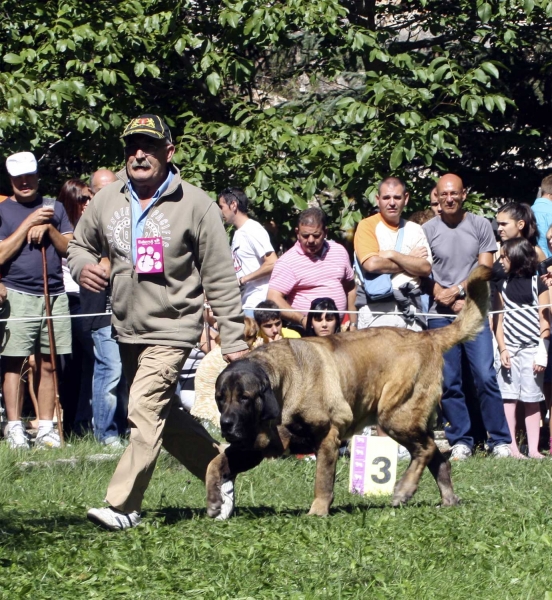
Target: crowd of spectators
408, 273
412, 273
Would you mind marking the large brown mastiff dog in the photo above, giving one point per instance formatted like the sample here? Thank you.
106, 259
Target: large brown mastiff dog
309, 394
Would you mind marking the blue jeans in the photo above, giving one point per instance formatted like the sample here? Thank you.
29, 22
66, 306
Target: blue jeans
107, 389
479, 353
76, 375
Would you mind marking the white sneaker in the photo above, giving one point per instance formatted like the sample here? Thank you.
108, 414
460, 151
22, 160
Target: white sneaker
112, 519
227, 508
50, 439
116, 444
17, 439
501, 451
460, 452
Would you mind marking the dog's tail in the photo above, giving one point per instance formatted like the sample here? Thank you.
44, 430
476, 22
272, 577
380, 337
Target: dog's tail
472, 317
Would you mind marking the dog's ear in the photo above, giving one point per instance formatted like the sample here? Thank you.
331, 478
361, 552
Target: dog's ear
271, 408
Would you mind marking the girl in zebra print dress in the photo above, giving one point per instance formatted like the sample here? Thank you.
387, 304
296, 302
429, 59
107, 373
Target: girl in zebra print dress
523, 338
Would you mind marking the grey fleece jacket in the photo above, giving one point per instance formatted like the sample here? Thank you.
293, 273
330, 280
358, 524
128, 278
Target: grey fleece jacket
163, 309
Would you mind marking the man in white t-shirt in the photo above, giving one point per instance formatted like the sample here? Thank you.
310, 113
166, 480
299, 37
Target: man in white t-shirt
253, 254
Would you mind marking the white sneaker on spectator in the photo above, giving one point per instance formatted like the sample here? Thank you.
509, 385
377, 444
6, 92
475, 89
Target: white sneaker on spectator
460, 452
112, 519
48, 439
403, 453
115, 444
227, 508
501, 451
17, 438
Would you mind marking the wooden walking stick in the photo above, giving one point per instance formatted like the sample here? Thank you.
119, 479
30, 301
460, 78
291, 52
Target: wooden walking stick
51, 339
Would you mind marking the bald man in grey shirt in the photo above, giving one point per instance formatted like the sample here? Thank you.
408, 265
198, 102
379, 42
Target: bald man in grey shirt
460, 241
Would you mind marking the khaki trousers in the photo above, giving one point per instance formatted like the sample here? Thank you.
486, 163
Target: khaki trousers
155, 419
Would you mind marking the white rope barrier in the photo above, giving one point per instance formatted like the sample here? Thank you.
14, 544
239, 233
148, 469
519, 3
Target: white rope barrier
276, 310
53, 317
419, 314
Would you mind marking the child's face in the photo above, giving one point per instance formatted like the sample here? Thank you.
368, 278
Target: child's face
508, 228
272, 328
504, 261
549, 242
324, 324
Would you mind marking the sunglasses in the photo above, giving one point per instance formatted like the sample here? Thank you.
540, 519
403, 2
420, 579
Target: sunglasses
146, 147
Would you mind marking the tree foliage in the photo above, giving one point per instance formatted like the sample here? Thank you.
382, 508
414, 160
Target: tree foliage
295, 100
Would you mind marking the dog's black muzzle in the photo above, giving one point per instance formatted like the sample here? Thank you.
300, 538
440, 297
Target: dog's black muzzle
234, 432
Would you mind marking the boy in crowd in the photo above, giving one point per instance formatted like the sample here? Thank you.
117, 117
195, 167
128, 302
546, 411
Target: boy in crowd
270, 323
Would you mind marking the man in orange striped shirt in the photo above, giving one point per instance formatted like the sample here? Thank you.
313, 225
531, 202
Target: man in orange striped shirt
376, 250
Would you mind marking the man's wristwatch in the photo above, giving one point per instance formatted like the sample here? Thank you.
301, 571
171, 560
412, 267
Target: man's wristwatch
461, 291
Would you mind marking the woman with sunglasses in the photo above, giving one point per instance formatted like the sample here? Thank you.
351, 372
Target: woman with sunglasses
77, 368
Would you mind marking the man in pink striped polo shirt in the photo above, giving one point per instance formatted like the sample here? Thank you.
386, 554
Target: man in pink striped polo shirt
313, 268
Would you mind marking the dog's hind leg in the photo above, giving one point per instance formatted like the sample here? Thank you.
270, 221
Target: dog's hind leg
422, 448
326, 461
226, 466
440, 469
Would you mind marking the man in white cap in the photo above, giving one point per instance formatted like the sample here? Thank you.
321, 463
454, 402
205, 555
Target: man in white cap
26, 225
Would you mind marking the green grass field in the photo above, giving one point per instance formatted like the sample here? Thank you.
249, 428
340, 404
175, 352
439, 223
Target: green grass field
496, 544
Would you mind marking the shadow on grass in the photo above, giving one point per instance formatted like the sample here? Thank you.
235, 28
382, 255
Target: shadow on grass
22, 532
172, 515
19, 525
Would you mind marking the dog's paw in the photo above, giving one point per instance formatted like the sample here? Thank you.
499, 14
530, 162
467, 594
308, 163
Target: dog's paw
213, 509
214, 503
319, 509
452, 500
400, 500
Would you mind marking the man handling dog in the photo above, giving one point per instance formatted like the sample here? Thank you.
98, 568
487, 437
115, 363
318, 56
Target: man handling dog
166, 244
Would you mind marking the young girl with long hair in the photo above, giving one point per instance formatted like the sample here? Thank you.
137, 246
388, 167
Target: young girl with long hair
523, 338
326, 323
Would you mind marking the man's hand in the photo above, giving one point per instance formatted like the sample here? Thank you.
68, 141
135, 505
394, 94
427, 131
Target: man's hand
458, 305
94, 278
444, 296
419, 252
234, 355
36, 234
39, 217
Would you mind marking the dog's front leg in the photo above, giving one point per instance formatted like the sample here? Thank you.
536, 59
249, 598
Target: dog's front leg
326, 461
218, 471
226, 466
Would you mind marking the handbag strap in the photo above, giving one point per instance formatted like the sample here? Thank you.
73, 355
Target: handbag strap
358, 270
398, 244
